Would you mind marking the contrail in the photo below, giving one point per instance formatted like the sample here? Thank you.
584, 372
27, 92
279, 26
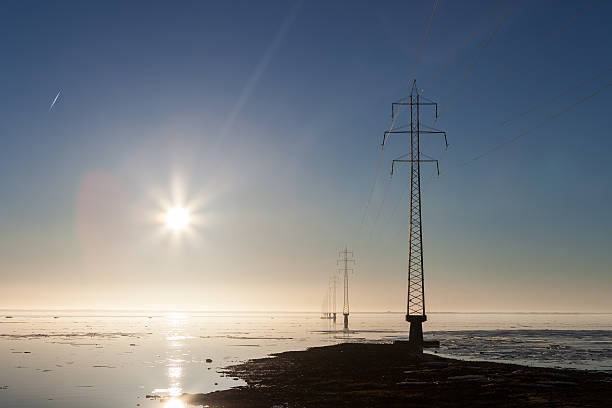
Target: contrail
55, 100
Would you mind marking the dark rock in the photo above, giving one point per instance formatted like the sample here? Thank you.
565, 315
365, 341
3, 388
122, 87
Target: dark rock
375, 376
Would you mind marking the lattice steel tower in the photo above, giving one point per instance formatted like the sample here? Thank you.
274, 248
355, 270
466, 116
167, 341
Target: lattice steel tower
333, 291
415, 313
346, 259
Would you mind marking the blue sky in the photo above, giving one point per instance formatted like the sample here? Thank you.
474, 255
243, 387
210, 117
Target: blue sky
268, 117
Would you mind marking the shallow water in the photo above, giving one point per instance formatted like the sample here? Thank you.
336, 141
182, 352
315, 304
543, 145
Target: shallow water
103, 359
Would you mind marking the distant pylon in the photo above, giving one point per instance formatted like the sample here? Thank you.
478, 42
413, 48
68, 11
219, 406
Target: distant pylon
332, 286
325, 305
328, 307
329, 299
346, 259
415, 313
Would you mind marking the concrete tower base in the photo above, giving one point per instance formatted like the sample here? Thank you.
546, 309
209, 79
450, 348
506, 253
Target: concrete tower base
346, 322
415, 339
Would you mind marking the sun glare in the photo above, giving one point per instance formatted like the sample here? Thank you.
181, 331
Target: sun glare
177, 218
174, 403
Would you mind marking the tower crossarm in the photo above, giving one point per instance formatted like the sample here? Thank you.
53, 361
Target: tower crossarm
421, 132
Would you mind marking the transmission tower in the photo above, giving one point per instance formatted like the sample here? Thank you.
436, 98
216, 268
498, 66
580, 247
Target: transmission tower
415, 312
324, 305
328, 307
333, 296
346, 259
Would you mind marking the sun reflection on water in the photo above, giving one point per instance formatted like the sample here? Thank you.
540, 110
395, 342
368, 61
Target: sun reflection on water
175, 346
174, 403
174, 361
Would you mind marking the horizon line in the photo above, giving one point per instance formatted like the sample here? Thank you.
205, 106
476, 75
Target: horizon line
283, 311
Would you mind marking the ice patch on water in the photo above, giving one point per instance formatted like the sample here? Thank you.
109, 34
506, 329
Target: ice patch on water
578, 349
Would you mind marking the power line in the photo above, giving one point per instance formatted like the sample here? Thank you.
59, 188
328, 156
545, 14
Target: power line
539, 125
397, 204
365, 210
465, 43
545, 102
393, 119
380, 207
433, 12
377, 173
552, 35
482, 50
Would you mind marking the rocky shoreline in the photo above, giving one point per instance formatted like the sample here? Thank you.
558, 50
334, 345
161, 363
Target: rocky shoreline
389, 375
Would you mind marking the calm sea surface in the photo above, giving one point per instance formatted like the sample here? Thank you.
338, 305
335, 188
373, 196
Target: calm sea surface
117, 359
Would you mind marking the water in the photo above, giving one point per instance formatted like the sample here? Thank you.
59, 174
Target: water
104, 359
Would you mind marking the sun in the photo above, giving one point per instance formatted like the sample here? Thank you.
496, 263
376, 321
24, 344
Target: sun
177, 218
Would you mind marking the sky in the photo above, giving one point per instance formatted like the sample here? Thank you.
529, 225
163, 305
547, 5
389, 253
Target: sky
264, 119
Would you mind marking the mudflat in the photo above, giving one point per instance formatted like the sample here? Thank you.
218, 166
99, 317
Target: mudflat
390, 375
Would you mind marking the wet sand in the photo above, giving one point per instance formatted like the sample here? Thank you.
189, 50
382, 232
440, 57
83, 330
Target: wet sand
388, 375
